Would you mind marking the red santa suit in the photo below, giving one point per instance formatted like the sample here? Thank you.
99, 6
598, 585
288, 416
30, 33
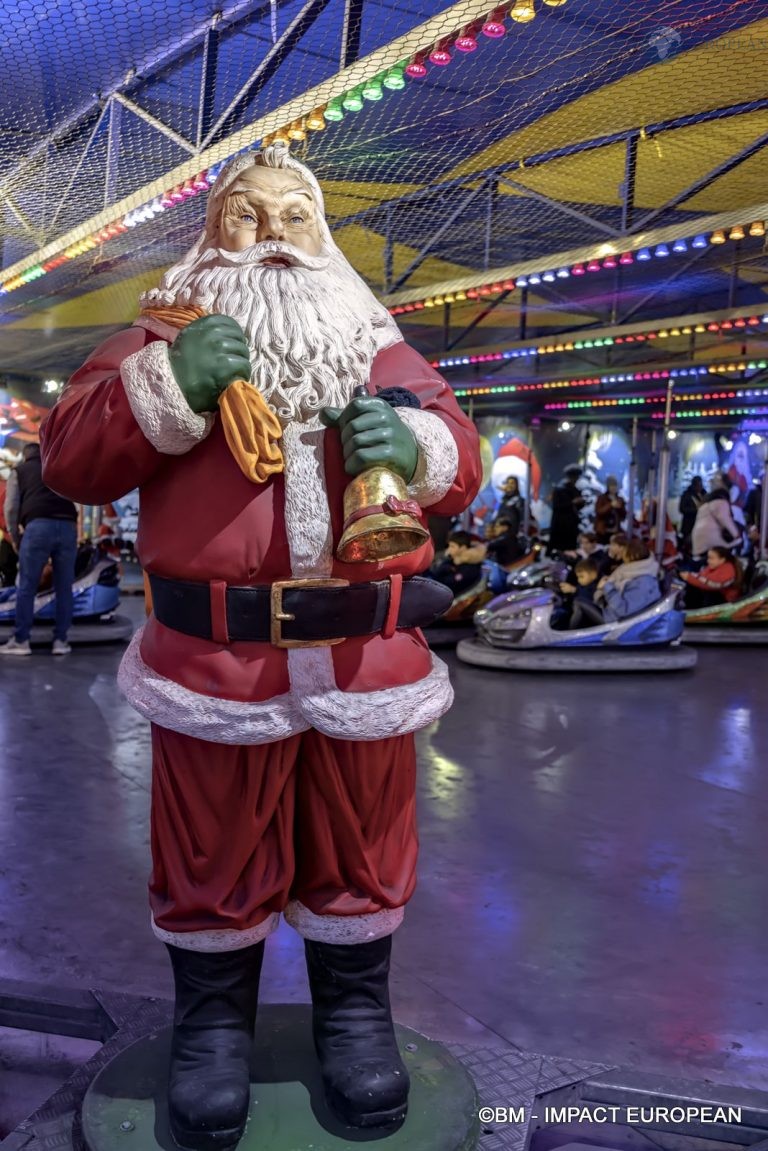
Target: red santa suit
284, 780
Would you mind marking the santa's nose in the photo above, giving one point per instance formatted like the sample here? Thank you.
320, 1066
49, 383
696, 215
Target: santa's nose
272, 229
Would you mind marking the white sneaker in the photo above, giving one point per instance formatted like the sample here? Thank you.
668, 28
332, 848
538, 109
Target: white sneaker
16, 647
61, 647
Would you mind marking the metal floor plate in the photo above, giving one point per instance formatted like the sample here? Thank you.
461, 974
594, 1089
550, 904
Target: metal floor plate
503, 1076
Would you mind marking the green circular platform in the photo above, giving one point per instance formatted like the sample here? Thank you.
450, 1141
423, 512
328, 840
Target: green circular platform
125, 1105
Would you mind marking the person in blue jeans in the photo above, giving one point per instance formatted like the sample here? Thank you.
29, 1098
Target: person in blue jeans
49, 524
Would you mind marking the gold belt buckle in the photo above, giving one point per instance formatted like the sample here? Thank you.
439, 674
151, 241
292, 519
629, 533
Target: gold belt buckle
277, 617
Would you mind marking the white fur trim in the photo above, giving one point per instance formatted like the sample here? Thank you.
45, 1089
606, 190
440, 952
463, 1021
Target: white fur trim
438, 456
158, 403
364, 715
225, 939
342, 928
307, 515
170, 705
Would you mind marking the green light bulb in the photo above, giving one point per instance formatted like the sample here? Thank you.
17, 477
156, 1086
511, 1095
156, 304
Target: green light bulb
395, 79
372, 89
353, 101
335, 111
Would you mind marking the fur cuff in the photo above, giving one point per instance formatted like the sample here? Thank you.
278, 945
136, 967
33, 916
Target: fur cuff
224, 939
171, 705
342, 928
364, 715
438, 456
158, 403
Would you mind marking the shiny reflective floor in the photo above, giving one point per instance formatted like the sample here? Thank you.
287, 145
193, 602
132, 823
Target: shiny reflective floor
594, 870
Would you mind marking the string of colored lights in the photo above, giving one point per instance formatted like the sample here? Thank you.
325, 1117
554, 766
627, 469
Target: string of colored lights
697, 370
738, 324
654, 398
641, 254
464, 40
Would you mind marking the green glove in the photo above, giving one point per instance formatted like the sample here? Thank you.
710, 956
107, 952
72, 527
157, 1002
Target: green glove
206, 357
373, 435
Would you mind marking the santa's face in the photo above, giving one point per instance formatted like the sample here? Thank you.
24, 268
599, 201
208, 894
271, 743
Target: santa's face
269, 204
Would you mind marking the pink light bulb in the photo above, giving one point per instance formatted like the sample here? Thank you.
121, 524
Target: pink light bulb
416, 70
493, 29
440, 56
466, 43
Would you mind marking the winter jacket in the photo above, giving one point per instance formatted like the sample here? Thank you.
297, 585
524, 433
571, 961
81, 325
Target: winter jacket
715, 526
632, 588
608, 519
723, 579
690, 503
564, 528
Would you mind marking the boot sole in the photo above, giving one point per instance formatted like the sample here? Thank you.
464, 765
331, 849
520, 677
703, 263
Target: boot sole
365, 1119
206, 1140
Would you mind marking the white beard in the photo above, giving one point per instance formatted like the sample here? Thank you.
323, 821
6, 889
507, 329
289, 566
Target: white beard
311, 327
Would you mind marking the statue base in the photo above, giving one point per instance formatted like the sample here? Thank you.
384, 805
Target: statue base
125, 1105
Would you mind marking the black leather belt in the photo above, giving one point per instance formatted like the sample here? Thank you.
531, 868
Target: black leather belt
295, 612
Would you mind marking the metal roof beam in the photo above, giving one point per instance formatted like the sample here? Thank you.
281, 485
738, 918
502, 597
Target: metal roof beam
261, 75
562, 153
704, 181
559, 206
350, 32
444, 227
177, 52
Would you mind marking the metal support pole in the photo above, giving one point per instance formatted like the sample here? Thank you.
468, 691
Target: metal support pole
632, 481
733, 285
493, 191
523, 313
466, 519
113, 153
446, 327
528, 479
764, 505
652, 470
663, 482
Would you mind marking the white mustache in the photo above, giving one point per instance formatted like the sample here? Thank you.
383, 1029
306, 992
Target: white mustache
257, 254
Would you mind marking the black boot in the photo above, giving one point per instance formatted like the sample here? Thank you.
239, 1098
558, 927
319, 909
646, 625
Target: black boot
214, 1015
366, 1083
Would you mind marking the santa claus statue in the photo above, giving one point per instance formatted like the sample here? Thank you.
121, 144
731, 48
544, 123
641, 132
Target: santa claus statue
283, 686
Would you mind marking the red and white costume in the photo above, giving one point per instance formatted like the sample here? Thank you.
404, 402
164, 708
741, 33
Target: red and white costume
283, 780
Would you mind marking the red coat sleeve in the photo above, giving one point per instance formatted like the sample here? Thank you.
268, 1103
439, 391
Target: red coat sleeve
92, 447
402, 366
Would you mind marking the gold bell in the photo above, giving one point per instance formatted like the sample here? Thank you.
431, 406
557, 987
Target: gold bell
380, 520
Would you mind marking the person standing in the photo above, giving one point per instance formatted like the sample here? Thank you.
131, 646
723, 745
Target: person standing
715, 525
567, 502
49, 524
512, 506
690, 502
610, 511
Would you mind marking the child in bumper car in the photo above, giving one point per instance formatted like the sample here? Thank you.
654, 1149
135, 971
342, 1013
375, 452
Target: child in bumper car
719, 582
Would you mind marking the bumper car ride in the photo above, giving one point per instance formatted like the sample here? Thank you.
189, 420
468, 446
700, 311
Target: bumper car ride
515, 632
96, 596
742, 622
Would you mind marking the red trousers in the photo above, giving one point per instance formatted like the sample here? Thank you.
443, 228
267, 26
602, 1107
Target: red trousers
321, 829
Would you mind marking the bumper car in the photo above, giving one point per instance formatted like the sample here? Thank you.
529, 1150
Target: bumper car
96, 596
457, 623
515, 633
743, 622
